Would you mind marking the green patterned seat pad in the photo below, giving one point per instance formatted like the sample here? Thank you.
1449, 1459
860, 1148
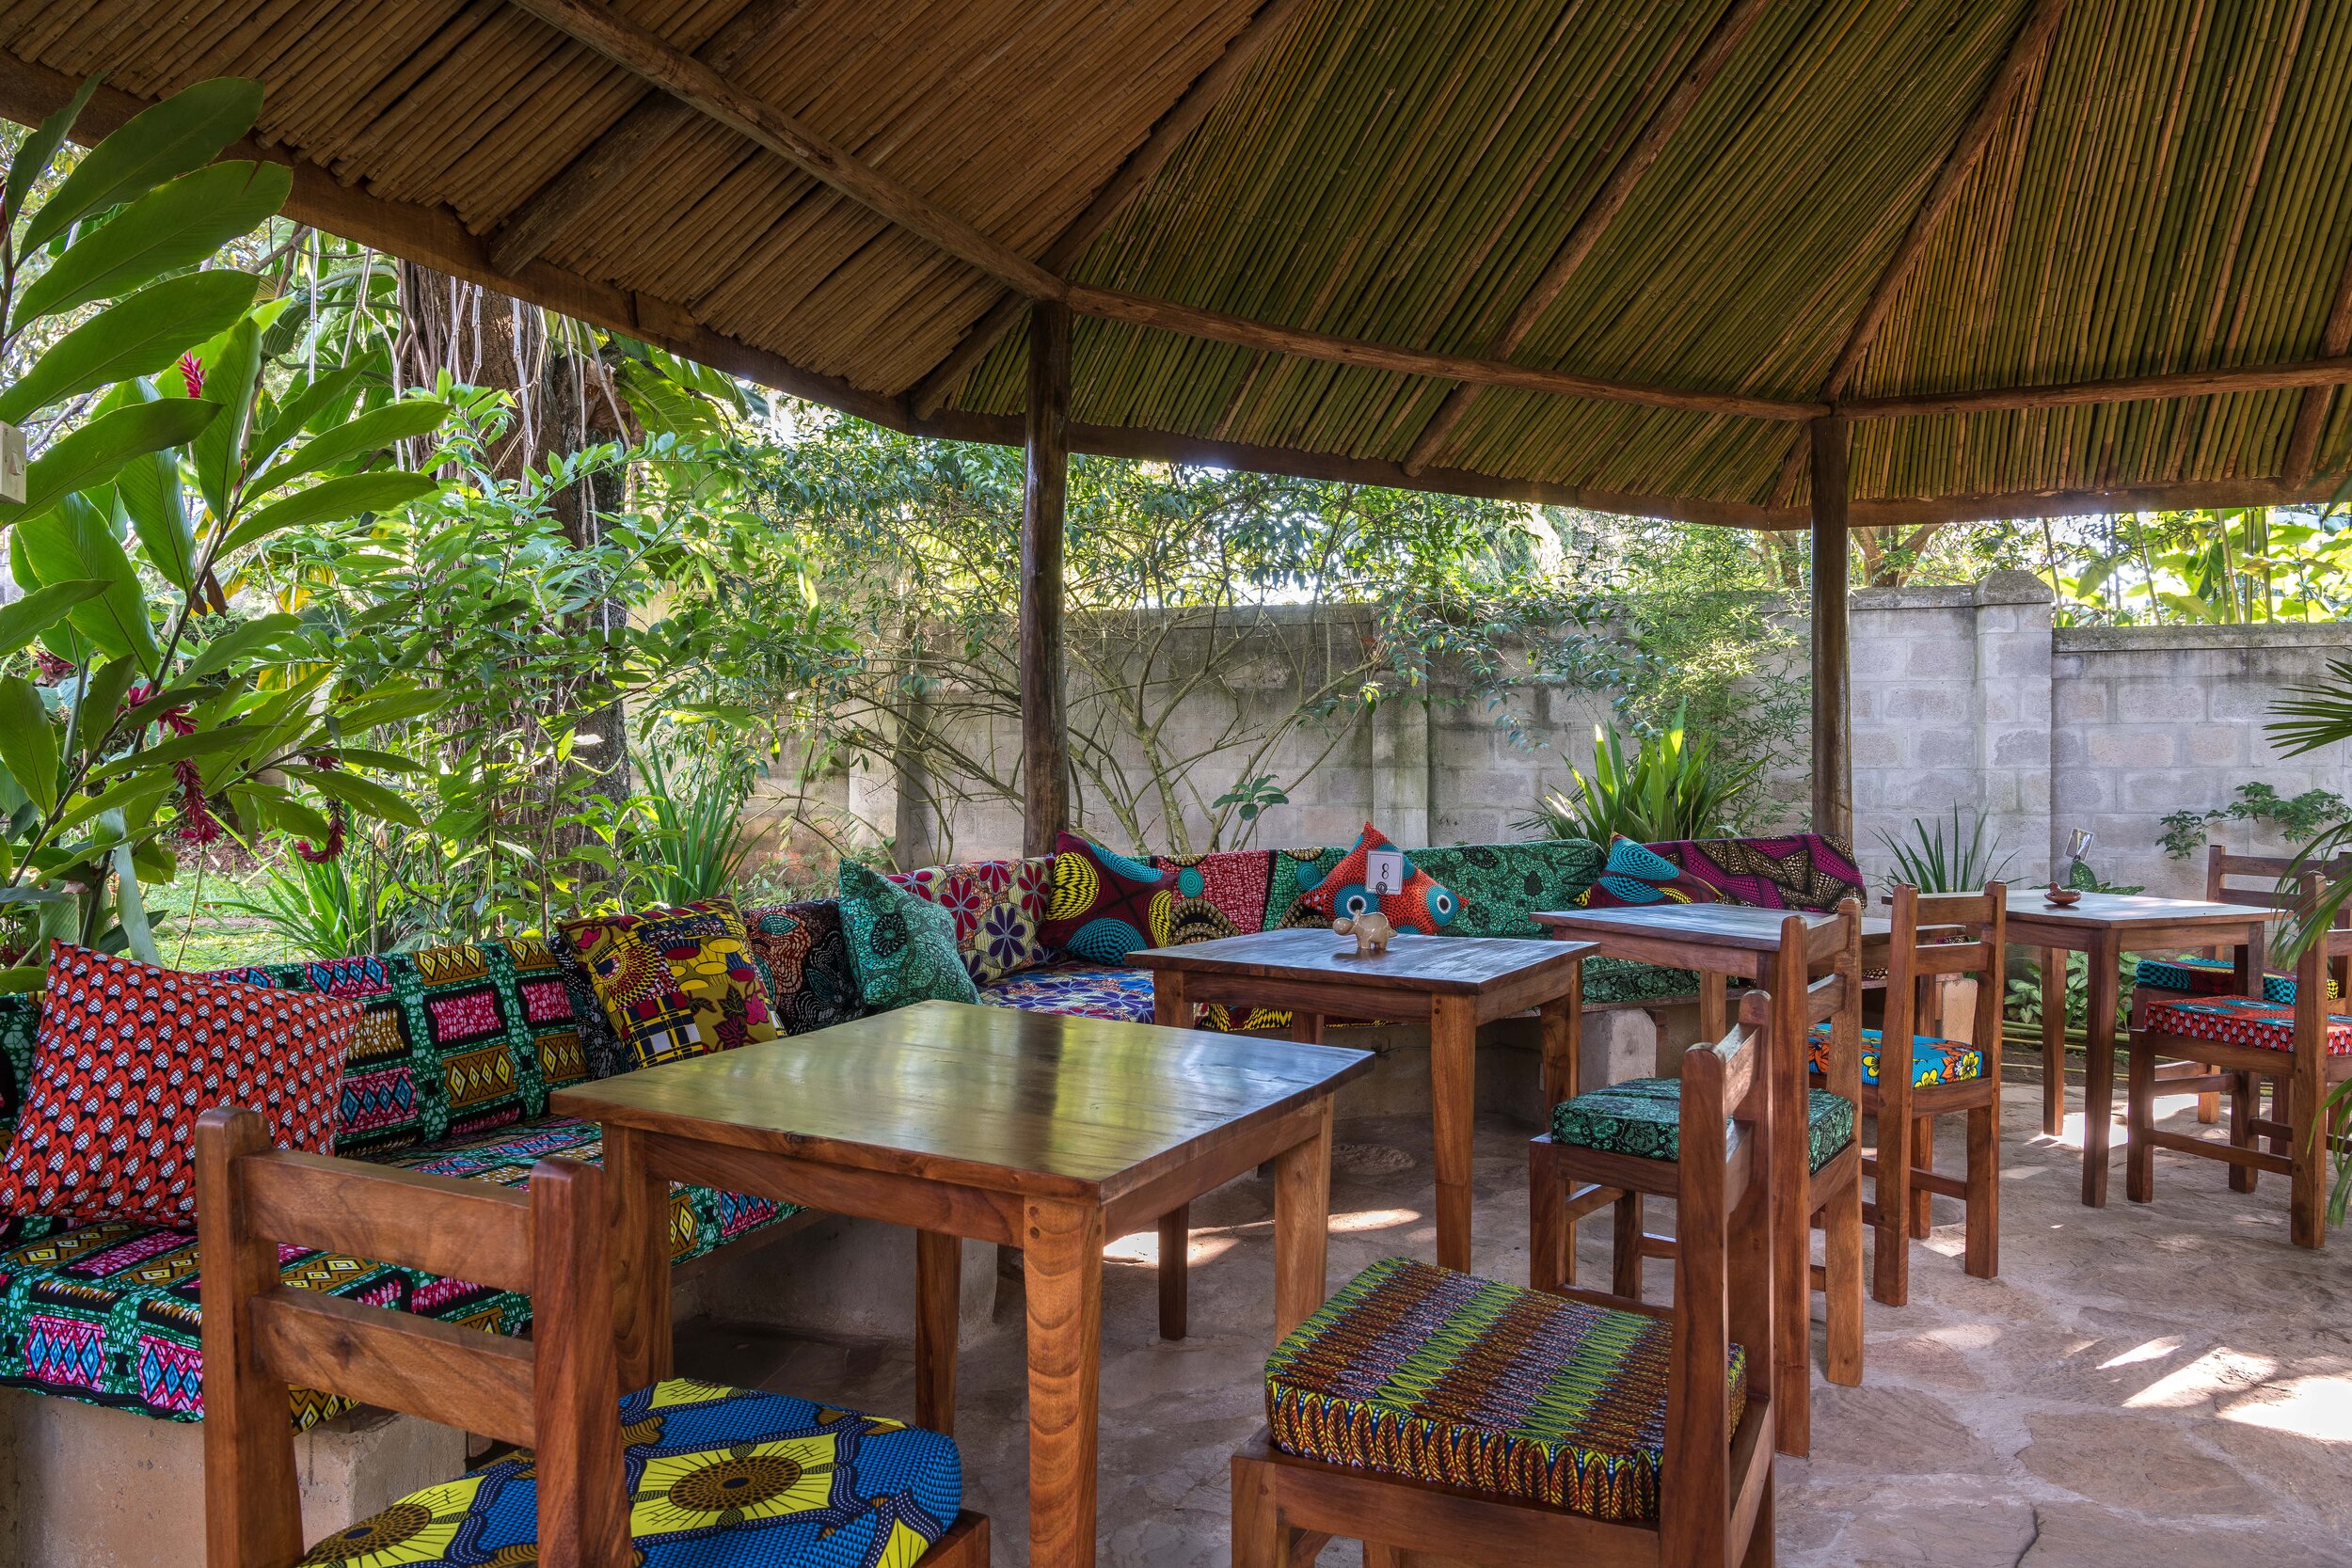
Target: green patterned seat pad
1643, 1116
1419, 1372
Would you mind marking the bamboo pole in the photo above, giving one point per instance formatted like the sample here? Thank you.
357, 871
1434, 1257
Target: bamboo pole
1046, 483
1833, 719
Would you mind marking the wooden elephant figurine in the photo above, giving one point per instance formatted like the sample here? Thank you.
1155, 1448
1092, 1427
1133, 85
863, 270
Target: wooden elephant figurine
1371, 930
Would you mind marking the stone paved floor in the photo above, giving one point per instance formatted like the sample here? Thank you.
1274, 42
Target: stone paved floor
2142, 1386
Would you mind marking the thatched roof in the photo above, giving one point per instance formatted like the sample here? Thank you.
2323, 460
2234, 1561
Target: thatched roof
1614, 251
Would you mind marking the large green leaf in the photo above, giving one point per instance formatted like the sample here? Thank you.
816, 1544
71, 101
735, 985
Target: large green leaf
138, 335
28, 742
363, 795
240, 642
334, 500
185, 132
285, 422
165, 230
371, 431
148, 489
223, 738
231, 367
41, 609
70, 541
92, 455
32, 157
131, 907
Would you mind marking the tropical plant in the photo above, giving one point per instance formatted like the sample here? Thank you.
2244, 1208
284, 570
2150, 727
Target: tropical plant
2024, 994
2298, 817
693, 842
139, 704
354, 903
1668, 786
1955, 857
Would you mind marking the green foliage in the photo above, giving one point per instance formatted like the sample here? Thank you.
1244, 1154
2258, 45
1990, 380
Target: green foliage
692, 844
1669, 786
2024, 996
1955, 857
2298, 817
354, 903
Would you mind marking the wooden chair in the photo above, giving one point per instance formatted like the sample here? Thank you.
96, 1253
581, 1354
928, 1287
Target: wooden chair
1393, 1470
2303, 1049
557, 1393
1909, 1078
1601, 1152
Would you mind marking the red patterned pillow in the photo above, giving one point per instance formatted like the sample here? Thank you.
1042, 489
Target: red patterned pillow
1423, 904
128, 1056
1637, 873
1104, 906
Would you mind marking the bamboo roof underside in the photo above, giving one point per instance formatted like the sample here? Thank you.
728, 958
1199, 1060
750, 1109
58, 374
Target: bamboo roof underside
1601, 252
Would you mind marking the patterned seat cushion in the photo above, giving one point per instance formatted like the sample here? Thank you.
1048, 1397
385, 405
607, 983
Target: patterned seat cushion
999, 908
1418, 1371
1076, 989
1933, 1061
1501, 885
2243, 1020
1798, 871
1608, 979
718, 1477
108, 1314
2191, 976
1643, 1116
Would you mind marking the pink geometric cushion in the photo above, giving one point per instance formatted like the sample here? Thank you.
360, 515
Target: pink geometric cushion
2243, 1020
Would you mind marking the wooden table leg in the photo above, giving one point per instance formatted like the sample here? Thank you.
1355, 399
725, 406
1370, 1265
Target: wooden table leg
1791, 1222
1175, 1258
938, 1298
1561, 1025
1454, 1093
2106, 957
640, 1259
1170, 1009
1302, 1215
1307, 1028
1062, 1262
1714, 1006
2053, 1040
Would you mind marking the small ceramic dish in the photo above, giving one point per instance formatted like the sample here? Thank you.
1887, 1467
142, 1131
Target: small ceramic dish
2062, 897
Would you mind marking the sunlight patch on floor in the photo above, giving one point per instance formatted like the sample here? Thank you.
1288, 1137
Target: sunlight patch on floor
2203, 1381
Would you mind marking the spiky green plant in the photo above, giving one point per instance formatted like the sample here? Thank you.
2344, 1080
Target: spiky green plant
1668, 785
1964, 859
694, 843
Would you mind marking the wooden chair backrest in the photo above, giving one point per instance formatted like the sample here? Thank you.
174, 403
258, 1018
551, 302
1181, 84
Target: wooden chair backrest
557, 1392
1723, 1287
2273, 882
1920, 948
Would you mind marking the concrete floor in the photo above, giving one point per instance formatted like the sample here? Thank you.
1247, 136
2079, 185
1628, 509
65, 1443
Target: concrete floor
2170, 1383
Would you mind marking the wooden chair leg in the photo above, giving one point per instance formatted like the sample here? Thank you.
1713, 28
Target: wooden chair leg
1922, 1157
1981, 1252
1175, 1264
2209, 1106
2307, 1200
1890, 1260
1842, 1256
2139, 1119
2244, 1097
1550, 1239
1625, 1263
1260, 1538
1761, 1545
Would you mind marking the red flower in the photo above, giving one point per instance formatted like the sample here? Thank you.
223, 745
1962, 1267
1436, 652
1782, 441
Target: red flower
197, 825
192, 372
51, 668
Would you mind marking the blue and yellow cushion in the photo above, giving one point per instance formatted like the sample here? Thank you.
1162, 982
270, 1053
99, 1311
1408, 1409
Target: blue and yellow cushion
2192, 976
717, 1476
1933, 1061
1076, 989
1643, 1116
1419, 1372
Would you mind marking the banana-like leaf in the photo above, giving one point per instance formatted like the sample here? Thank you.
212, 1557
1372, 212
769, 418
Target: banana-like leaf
102, 700
176, 226
134, 797
39, 146
371, 431
138, 335
180, 747
70, 541
23, 980
185, 132
334, 500
365, 795
41, 609
233, 363
131, 907
91, 456
149, 491
28, 742
332, 392
240, 641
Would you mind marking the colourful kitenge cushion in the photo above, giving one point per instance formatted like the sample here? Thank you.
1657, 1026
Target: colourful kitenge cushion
571, 1040
128, 1056
1797, 871
803, 956
1421, 904
1609, 980
1105, 906
1418, 1371
1643, 1116
2243, 1020
903, 948
2193, 976
1221, 893
1933, 1061
1500, 886
1296, 872
1635, 873
675, 982
1076, 989
717, 1476
999, 908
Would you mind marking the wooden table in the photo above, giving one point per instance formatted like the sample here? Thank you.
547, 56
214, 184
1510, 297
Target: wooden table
1052, 1135
1734, 940
1456, 983
2105, 927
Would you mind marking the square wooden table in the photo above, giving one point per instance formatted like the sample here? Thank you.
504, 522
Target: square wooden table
2105, 927
1723, 941
1052, 1135
1456, 983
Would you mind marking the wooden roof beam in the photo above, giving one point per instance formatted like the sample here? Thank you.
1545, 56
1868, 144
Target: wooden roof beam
2315, 373
1208, 89
1729, 30
2311, 416
2025, 50
572, 197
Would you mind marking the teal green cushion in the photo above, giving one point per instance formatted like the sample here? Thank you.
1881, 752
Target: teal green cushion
1643, 1116
902, 947
1500, 886
1631, 980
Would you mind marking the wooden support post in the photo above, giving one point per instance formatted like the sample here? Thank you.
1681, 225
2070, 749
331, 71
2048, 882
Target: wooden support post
1833, 719
1044, 724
